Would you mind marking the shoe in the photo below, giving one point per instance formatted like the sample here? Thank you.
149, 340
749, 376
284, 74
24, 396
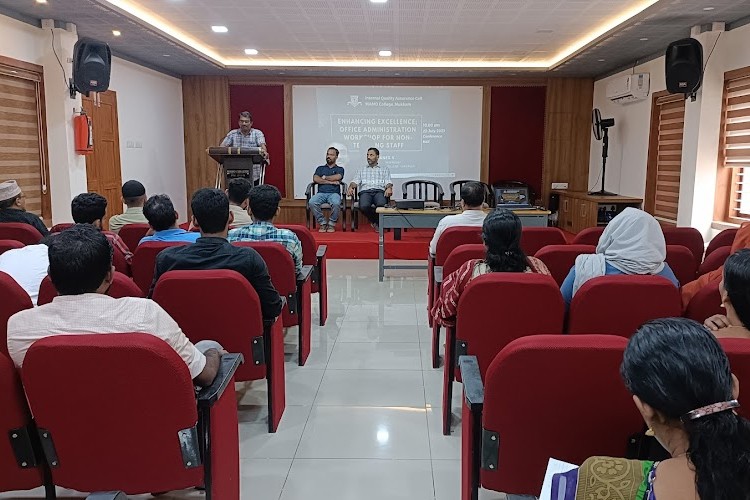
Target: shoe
331, 228
323, 228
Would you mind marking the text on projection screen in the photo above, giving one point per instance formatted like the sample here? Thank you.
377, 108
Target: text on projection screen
429, 133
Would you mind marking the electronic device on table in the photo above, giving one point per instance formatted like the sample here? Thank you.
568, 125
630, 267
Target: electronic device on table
515, 197
410, 204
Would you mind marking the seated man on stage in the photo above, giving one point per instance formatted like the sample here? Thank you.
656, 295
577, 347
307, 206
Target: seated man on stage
472, 198
327, 177
247, 137
374, 184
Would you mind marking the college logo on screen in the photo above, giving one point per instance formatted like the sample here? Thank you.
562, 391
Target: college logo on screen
354, 101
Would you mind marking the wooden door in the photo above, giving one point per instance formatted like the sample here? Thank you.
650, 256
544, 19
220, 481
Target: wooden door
103, 165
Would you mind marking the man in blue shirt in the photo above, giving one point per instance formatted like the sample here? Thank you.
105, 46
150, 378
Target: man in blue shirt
328, 178
162, 217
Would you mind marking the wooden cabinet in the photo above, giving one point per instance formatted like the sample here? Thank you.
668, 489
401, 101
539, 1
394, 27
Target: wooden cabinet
579, 210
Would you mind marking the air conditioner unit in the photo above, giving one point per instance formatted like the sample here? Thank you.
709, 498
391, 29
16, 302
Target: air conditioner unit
628, 88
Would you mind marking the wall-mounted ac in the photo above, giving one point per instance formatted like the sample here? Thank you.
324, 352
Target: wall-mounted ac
628, 88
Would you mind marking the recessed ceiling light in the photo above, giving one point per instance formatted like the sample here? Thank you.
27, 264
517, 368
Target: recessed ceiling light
378, 1
41, 1
709, 8
644, 39
116, 32
251, 52
219, 29
385, 53
167, 55
602, 60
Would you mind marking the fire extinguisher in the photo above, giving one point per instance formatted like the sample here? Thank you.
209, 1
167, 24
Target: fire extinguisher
84, 136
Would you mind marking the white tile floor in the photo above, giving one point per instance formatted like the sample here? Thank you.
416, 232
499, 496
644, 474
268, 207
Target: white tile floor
363, 415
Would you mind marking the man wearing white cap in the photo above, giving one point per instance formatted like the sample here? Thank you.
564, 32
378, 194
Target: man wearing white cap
13, 207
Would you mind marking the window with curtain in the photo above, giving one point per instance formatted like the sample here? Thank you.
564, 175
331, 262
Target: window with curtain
23, 145
734, 146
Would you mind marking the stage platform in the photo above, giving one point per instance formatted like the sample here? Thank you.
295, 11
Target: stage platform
363, 244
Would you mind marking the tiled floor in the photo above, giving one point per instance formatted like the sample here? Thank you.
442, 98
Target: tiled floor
363, 416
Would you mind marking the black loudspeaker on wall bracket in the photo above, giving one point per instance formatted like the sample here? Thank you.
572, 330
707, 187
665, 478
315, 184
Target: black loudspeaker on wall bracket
92, 64
684, 67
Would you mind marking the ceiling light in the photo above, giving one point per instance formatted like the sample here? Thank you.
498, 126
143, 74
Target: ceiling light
116, 32
378, 1
704, 8
385, 53
219, 29
602, 60
166, 55
41, 1
251, 52
644, 39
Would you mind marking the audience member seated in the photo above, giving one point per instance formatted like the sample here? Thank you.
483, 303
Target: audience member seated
13, 207
741, 240
90, 208
632, 243
162, 217
133, 196
80, 267
472, 199
682, 384
264, 206
238, 192
212, 251
735, 297
501, 233
328, 177
27, 266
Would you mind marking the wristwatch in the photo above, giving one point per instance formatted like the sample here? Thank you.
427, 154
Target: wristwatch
324, 177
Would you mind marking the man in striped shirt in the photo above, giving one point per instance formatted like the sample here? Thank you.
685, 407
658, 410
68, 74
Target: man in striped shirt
247, 137
374, 186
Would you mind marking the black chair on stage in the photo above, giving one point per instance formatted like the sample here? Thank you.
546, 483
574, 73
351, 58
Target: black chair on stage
312, 190
428, 191
355, 208
455, 189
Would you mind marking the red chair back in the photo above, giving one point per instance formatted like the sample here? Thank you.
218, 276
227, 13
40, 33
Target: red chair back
682, 262
15, 416
705, 303
131, 234
58, 228
620, 304
132, 423
538, 398
534, 239
309, 245
559, 259
686, 236
714, 260
453, 237
13, 299
25, 233
460, 255
589, 236
6, 245
738, 352
723, 239
118, 257
122, 286
319, 282
144, 261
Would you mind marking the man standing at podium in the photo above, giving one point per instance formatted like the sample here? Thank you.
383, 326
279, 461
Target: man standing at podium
247, 137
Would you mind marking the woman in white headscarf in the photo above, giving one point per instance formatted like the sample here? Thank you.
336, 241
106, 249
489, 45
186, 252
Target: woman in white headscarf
633, 243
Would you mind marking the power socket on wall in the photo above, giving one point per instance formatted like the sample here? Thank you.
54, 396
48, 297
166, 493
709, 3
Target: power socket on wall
559, 185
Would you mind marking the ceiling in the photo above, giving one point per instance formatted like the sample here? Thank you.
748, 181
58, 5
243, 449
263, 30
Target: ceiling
343, 37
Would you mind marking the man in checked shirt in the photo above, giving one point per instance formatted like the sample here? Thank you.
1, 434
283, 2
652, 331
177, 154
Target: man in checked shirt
247, 137
374, 185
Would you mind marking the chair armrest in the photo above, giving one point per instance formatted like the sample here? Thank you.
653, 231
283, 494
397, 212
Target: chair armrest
308, 191
321, 251
437, 274
305, 274
473, 386
229, 364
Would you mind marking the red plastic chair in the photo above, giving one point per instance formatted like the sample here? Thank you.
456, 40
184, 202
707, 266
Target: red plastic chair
190, 297
298, 310
536, 403
6, 245
738, 352
133, 400
559, 259
682, 262
714, 260
59, 228
131, 234
485, 324
122, 286
589, 236
144, 261
534, 239
13, 299
723, 239
25, 233
620, 304
686, 236
314, 255
20, 464
705, 303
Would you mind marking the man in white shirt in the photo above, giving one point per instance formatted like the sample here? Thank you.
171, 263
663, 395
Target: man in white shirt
80, 266
472, 198
374, 185
27, 266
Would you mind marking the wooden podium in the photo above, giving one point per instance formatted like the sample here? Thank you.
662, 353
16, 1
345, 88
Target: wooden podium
238, 163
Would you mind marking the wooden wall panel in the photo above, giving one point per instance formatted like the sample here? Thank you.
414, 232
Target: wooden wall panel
205, 105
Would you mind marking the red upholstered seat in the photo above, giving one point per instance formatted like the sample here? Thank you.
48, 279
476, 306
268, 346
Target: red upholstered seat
298, 309
723, 239
620, 304
122, 286
545, 396
131, 421
738, 352
16, 427
589, 236
58, 228
6, 245
686, 236
144, 261
559, 259
25, 233
192, 297
714, 260
682, 262
131, 234
493, 310
13, 298
705, 303
534, 239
